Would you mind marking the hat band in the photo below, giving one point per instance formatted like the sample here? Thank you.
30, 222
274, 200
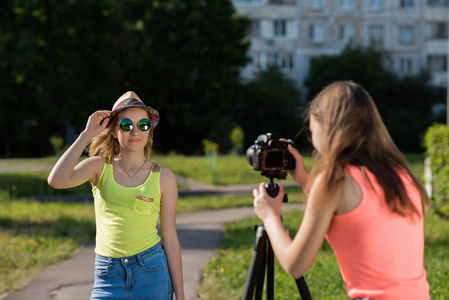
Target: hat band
132, 102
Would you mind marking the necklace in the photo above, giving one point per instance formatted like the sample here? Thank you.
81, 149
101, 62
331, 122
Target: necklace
120, 162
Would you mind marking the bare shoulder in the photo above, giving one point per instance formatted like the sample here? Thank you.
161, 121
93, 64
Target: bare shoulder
168, 178
169, 187
167, 173
351, 196
95, 164
320, 198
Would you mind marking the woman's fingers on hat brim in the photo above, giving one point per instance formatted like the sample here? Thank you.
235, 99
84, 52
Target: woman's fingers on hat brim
103, 115
104, 119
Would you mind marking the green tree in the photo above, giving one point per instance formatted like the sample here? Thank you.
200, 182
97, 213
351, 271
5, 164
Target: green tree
269, 103
56, 67
60, 60
366, 66
403, 102
185, 61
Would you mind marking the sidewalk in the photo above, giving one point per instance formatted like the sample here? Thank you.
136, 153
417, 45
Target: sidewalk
199, 235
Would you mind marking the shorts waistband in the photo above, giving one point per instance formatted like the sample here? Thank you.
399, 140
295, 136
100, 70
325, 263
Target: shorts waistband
133, 258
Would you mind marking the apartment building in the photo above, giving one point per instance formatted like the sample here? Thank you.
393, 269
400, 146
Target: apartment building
289, 33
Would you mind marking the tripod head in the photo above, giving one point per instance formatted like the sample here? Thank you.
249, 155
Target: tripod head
273, 188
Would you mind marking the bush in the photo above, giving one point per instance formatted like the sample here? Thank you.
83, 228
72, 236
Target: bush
437, 144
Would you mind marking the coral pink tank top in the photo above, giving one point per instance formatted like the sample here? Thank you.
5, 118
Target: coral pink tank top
380, 253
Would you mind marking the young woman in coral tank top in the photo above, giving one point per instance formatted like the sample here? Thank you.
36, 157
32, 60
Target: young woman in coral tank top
362, 198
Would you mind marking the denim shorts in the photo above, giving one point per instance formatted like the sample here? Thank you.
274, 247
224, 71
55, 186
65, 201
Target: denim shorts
143, 276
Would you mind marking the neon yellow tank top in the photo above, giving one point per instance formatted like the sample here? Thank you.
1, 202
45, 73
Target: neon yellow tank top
126, 217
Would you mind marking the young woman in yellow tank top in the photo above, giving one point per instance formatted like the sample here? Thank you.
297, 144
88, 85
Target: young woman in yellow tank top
130, 193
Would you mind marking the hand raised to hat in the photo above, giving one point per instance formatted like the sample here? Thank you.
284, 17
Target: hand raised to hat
97, 122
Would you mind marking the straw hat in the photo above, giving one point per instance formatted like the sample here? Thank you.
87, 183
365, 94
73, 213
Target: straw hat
130, 99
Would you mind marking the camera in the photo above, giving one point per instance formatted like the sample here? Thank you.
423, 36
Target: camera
271, 156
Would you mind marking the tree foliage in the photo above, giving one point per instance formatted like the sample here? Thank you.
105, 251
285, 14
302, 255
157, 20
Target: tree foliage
269, 103
187, 56
60, 60
403, 102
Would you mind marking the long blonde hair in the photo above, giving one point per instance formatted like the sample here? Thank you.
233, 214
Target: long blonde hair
355, 134
107, 146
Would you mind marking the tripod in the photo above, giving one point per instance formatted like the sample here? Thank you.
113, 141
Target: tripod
263, 259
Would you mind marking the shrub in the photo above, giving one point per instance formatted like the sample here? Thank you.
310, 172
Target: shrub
437, 144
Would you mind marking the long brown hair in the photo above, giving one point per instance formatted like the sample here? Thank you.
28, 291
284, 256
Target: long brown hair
107, 146
356, 135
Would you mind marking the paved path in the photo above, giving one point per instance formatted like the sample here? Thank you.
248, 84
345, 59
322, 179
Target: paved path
199, 234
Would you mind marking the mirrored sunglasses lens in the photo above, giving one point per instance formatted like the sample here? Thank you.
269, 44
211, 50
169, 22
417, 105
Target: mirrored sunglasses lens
144, 125
126, 125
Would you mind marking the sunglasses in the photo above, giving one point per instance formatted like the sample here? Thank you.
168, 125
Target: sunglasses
127, 125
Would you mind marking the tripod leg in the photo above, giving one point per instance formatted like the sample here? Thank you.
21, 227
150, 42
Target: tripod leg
257, 261
303, 288
261, 278
263, 258
270, 271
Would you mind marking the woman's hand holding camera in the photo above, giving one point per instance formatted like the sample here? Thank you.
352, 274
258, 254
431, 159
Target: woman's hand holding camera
266, 206
300, 174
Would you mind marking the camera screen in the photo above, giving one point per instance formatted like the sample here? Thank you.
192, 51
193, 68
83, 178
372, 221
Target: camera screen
274, 159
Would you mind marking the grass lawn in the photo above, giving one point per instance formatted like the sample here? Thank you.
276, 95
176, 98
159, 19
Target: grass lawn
230, 170
35, 235
225, 275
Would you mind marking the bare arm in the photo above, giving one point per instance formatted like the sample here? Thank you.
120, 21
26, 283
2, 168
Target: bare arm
67, 173
296, 256
169, 234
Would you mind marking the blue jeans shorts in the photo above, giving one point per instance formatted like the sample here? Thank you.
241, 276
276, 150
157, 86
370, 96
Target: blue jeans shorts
143, 276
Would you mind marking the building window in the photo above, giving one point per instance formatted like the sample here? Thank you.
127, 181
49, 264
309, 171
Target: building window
255, 28
261, 60
437, 63
406, 34
280, 28
406, 3
267, 29
316, 3
438, 3
377, 4
290, 2
347, 4
272, 59
405, 66
284, 61
438, 30
376, 35
316, 33
248, 1
257, 60
345, 33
